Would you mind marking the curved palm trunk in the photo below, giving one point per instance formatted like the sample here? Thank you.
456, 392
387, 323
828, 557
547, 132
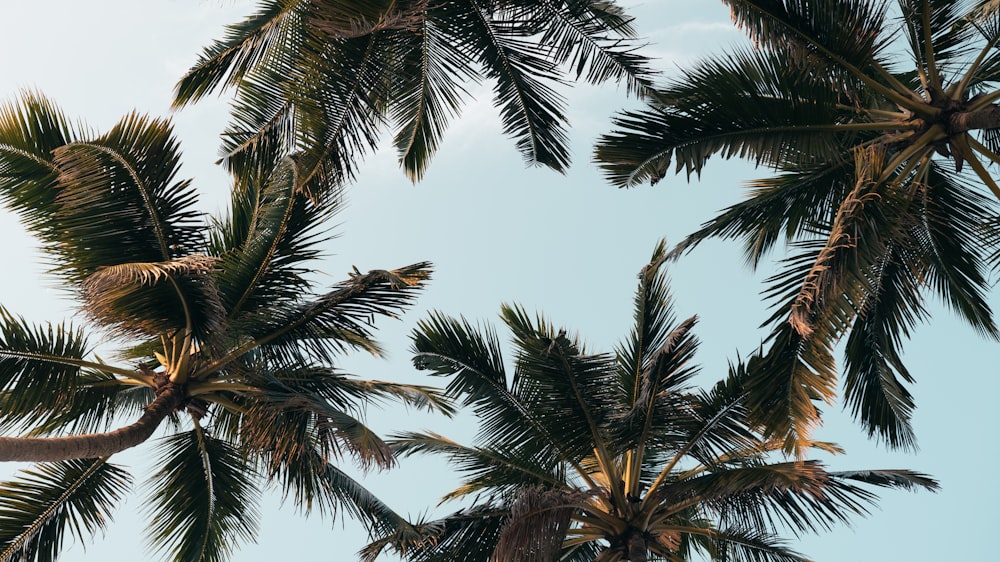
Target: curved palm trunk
635, 547
93, 445
985, 118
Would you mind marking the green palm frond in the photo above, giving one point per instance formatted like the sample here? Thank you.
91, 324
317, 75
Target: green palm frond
307, 423
753, 104
430, 90
156, 298
203, 500
314, 483
33, 361
270, 233
468, 534
99, 400
939, 37
37, 509
595, 40
572, 393
118, 191
742, 545
653, 317
845, 34
531, 110
496, 469
873, 366
957, 239
656, 402
245, 45
329, 324
778, 209
31, 129
321, 80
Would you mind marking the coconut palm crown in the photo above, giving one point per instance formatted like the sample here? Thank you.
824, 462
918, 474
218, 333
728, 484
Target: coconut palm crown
612, 457
323, 78
881, 119
223, 344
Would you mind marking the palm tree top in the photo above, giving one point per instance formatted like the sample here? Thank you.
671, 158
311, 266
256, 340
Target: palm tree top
614, 456
880, 120
324, 78
219, 328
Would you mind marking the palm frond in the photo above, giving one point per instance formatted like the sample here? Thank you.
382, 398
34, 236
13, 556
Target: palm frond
203, 501
494, 469
429, 91
37, 509
752, 104
270, 232
531, 110
873, 365
119, 193
34, 360
742, 545
572, 392
333, 322
654, 319
471, 358
98, 402
279, 418
781, 208
245, 45
31, 129
844, 33
469, 534
582, 36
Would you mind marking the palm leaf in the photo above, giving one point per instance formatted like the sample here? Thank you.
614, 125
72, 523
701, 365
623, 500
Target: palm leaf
783, 208
429, 91
245, 45
469, 534
37, 509
593, 39
572, 392
333, 322
203, 503
308, 423
34, 360
752, 104
31, 129
270, 232
118, 192
494, 469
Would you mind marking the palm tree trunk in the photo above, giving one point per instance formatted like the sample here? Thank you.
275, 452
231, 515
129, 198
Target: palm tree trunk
985, 118
635, 547
93, 445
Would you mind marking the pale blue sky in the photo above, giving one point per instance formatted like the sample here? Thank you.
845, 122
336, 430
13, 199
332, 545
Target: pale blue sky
497, 232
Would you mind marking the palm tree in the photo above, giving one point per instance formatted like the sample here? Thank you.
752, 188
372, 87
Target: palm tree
584, 457
881, 123
219, 333
321, 78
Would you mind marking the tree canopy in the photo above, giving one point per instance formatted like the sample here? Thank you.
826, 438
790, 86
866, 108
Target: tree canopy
881, 120
221, 341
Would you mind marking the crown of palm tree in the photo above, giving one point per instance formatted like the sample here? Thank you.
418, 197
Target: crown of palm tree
881, 122
220, 331
584, 457
321, 78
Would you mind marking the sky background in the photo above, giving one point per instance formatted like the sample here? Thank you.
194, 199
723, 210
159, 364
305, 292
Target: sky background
568, 245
